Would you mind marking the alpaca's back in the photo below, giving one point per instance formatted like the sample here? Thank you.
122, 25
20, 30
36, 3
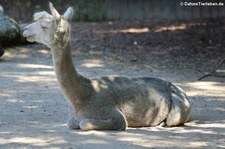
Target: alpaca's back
143, 101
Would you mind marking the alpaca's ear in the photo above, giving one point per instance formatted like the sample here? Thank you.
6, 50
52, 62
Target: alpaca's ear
68, 15
54, 11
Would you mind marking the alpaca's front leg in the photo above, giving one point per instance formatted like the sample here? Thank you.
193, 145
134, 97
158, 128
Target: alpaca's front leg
73, 124
116, 122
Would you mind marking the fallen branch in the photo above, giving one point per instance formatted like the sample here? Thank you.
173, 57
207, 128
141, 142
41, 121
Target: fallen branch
214, 71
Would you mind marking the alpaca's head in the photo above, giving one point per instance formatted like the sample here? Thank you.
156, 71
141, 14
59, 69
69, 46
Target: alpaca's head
47, 27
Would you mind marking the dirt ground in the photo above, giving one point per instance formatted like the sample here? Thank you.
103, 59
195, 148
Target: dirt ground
33, 111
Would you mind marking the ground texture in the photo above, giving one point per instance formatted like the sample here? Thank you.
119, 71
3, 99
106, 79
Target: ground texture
33, 111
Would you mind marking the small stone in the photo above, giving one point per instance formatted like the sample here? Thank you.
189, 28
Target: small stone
135, 43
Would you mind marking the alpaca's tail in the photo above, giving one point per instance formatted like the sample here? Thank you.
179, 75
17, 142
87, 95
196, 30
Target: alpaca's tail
180, 110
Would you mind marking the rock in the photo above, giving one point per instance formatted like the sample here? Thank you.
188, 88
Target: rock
9, 30
1, 9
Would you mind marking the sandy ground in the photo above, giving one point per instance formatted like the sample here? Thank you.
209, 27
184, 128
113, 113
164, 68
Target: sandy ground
33, 111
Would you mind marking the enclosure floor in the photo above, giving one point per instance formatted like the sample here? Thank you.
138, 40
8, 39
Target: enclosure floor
34, 111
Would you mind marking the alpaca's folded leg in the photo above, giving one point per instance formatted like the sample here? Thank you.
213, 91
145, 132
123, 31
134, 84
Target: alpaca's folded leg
116, 122
73, 124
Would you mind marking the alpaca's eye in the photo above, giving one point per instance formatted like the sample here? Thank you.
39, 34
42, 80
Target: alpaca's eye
43, 26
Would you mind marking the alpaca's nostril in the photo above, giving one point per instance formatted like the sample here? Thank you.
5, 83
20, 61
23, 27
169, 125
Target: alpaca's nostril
25, 32
26, 27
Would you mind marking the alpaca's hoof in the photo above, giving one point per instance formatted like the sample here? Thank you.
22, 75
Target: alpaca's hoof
73, 124
85, 125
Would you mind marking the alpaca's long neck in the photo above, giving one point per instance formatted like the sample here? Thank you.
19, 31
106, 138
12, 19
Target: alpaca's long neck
74, 86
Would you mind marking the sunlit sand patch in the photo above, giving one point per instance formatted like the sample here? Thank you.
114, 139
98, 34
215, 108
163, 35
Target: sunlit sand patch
205, 88
128, 30
34, 141
93, 64
171, 28
34, 66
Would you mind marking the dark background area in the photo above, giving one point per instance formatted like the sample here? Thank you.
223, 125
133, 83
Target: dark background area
102, 10
184, 36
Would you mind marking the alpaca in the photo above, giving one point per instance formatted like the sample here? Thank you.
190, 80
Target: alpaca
106, 103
